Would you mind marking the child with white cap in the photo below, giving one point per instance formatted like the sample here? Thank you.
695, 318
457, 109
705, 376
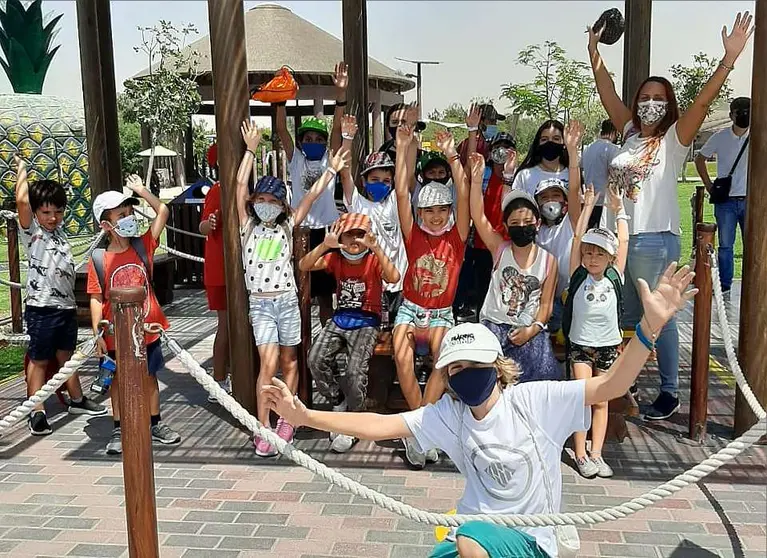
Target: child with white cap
592, 315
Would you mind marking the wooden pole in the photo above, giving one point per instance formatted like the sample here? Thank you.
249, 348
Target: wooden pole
94, 26
135, 385
636, 46
304, 282
230, 89
753, 302
14, 270
354, 14
699, 200
701, 331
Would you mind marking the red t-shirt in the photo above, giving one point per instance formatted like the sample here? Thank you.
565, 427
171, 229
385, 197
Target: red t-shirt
493, 197
434, 263
213, 268
359, 286
483, 147
125, 269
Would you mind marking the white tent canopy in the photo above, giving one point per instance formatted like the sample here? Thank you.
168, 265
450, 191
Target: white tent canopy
159, 151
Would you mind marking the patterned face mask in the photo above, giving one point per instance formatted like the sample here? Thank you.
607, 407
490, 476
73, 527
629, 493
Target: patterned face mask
267, 212
127, 227
311, 173
651, 111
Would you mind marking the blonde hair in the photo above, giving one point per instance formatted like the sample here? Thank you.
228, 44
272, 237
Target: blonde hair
508, 374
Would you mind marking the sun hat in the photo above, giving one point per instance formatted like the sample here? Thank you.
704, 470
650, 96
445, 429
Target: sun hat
547, 183
503, 138
433, 194
377, 160
469, 341
110, 200
353, 221
613, 23
520, 195
603, 238
271, 185
312, 124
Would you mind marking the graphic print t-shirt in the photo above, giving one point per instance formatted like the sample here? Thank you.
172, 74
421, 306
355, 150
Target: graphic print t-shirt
213, 269
267, 257
51, 275
125, 269
433, 266
359, 285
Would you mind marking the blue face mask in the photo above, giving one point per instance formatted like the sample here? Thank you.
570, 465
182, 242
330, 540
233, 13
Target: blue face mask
377, 190
490, 131
354, 257
314, 151
474, 385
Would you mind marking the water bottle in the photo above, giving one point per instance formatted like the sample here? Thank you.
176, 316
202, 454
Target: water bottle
106, 373
421, 333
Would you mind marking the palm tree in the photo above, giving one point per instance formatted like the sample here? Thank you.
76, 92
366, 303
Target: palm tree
26, 42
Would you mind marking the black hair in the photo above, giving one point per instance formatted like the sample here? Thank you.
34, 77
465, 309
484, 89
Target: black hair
740, 103
520, 203
392, 109
534, 153
607, 128
438, 161
43, 192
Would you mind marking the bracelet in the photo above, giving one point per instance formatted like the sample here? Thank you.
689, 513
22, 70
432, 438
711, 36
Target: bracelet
726, 67
473, 128
454, 158
332, 171
251, 152
650, 345
540, 325
347, 137
340, 103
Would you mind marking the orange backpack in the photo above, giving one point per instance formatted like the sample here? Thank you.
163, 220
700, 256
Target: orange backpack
282, 87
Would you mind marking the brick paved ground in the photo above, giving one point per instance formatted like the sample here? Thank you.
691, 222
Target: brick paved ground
61, 496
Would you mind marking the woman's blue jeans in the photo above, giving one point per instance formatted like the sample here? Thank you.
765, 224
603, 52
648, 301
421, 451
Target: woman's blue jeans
649, 256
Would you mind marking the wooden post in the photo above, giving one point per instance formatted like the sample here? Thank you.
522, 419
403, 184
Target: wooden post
304, 282
701, 330
94, 26
230, 89
14, 270
753, 302
377, 119
354, 14
135, 386
636, 46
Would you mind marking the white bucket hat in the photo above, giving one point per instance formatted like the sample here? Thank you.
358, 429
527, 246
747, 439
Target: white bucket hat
603, 238
433, 194
469, 341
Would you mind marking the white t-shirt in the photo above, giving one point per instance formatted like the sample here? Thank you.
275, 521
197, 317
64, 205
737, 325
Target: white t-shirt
496, 455
303, 174
51, 275
595, 162
726, 146
650, 174
595, 314
558, 241
386, 226
267, 257
528, 179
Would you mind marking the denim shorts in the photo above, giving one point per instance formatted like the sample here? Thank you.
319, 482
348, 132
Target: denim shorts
276, 319
50, 330
155, 360
411, 314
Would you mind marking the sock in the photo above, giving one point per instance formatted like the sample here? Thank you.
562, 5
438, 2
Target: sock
117, 424
155, 419
76, 401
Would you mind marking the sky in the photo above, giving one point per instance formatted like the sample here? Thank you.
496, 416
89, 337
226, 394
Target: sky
477, 42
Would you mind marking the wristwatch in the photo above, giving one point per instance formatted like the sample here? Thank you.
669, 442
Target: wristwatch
541, 325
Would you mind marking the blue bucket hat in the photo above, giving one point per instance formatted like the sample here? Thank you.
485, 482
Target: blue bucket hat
271, 185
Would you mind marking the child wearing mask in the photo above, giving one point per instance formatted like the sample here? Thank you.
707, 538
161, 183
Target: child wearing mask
592, 316
435, 243
546, 158
351, 253
519, 301
266, 227
379, 203
432, 167
127, 262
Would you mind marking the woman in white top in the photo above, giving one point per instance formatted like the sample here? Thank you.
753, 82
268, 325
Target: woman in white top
547, 158
505, 439
646, 170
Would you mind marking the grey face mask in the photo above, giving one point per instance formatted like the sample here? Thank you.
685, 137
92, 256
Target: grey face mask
551, 211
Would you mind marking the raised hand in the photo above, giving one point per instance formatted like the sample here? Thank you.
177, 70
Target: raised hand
411, 115
573, 134
369, 240
589, 196
332, 237
404, 136
735, 42
510, 165
594, 36
278, 398
21, 164
341, 159
473, 116
477, 168
213, 219
341, 76
348, 126
134, 183
445, 142
250, 135
614, 199
670, 296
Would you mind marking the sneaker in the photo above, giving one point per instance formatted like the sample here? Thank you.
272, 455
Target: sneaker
164, 434
115, 443
663, 407
432, 456
38, 424
86, 407
340, 408
413, 453
264, 448
586, 467
226, 385
603, 469
284, 430
342, 443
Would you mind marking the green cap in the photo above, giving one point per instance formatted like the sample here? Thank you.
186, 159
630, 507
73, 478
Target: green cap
430, 157
313, 124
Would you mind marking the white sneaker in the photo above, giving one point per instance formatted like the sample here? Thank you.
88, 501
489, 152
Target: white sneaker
342, 443
413, 453
603, 469
432, 456
340, 408
226, 385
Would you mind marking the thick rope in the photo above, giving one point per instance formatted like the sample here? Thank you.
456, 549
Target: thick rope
182, 254
11, 284
170, 228
6, 214
79, 357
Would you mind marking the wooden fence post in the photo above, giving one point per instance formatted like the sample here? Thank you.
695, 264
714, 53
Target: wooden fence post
304, 282
134, 388
14, 271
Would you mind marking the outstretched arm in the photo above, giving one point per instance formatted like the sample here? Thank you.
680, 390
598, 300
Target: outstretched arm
337, 163
341, 81
22, 193
251, 137
403, 178
446, 144
573, 135
589, 201
615, 205
484, 229
348, 125
281, 127
136, 185
618, 112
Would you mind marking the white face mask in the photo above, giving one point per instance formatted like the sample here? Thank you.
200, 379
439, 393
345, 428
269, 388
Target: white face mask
651, 111
267, 212
127, 227
551, 210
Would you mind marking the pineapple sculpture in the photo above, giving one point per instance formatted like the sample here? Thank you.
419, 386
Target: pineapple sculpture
47, 131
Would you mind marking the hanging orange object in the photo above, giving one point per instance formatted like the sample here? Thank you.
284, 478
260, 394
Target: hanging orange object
282, 87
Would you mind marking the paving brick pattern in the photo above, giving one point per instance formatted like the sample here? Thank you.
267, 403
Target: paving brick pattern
61, 496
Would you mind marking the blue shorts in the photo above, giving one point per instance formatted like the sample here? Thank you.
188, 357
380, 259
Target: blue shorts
276, 319
50, 330
155, 361
411, 314
498, 541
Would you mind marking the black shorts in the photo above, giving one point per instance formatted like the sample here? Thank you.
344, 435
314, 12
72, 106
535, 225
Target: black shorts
600, 358
155, 361
392, 300
323, 283
50, 330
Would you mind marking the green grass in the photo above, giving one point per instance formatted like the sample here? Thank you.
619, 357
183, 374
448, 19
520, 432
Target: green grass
11, 361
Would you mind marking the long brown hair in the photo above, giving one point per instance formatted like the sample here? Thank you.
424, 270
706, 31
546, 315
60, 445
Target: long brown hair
672, 111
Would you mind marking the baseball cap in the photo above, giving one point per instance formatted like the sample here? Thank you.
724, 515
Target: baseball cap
469, 341
353, 221
603, 238
271, 185
488, 112
110, 200
503, 137
433, 194
377, 160
551, 183
519, 195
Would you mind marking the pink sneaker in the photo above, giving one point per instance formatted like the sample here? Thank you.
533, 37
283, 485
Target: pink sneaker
285, 430
264, 448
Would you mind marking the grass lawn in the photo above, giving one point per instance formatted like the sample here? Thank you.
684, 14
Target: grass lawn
11, 361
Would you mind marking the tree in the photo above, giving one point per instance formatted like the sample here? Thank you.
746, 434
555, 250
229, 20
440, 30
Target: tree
130, 145
164, 99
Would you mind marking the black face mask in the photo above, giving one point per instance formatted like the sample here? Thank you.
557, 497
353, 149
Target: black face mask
393, 132
742, 119
443, 180
522, 235
551, 151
